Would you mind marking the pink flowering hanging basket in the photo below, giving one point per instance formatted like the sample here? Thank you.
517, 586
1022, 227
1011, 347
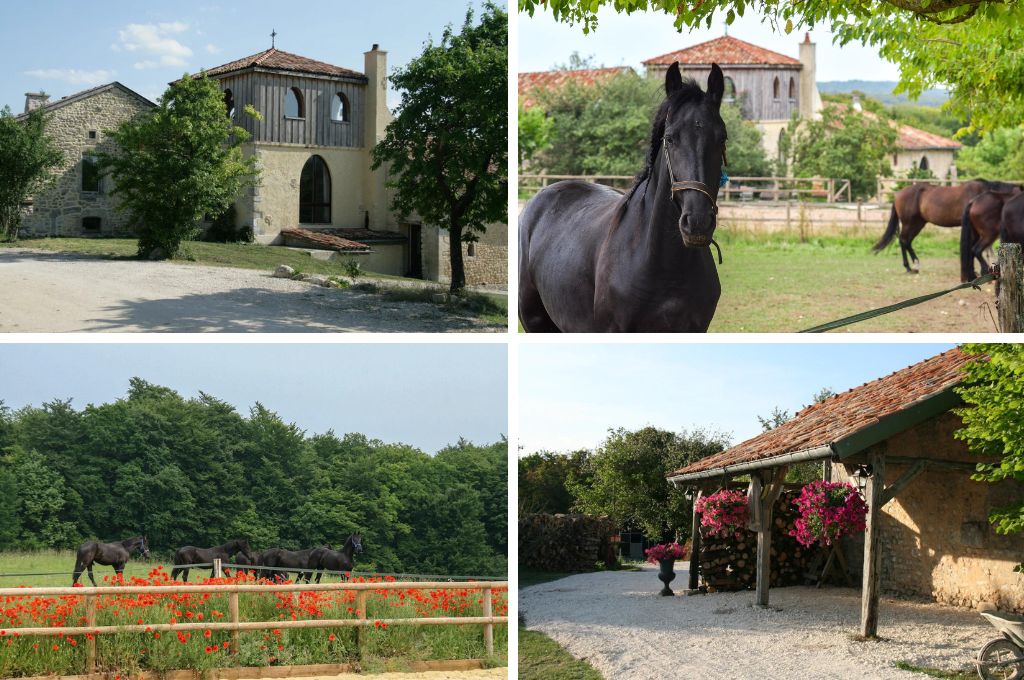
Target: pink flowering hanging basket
828, 511
724, 513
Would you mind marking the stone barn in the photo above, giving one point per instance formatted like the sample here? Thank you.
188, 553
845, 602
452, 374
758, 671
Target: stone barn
928, 533
78, 203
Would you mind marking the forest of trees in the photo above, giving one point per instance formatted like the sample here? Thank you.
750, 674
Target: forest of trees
197, 472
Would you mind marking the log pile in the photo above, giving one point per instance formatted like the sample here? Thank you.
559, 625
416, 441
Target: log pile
563, 542
731, 564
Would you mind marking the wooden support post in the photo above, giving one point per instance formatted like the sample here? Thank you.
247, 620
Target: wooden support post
488, 627
695, 545
90, 642
1011, 288
789, 206
361, 614
873, 494
233, 611
769, 494
218, 572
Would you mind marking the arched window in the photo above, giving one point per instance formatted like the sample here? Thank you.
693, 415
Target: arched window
775, 88
792, 89
294, 107
730, 90
923, 165
315, 192
340, 110
229, 103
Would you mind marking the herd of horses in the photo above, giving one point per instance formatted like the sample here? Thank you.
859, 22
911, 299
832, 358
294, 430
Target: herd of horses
275, 563
594, 259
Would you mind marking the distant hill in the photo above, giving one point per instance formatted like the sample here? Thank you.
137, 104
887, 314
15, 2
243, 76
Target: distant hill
882, 91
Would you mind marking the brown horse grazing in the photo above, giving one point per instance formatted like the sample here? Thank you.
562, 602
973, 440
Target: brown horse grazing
594, 260
979, 229
920, 204
108, 554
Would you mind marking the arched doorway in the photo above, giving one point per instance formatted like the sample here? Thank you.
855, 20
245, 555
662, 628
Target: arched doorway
315, 192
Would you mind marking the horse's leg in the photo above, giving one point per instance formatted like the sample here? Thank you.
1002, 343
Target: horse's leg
79, 568
985, 242
532, 314
89, 568
910, 230
119, 570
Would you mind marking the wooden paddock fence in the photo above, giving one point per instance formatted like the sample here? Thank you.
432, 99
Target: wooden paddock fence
738, 189
235, 626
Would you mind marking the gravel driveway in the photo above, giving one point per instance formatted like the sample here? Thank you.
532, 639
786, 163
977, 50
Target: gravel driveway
619, 623
62, 292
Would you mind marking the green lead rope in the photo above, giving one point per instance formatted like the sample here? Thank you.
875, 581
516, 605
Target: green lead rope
870, 314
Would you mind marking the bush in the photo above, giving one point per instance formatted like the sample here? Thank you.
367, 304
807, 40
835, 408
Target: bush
223, 229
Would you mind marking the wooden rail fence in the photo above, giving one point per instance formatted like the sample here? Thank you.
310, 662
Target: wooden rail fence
91, 630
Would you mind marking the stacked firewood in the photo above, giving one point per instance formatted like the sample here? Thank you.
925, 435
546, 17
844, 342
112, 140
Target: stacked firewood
730, 563
563, 542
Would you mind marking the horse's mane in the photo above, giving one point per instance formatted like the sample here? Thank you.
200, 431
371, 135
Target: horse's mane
689, 93
999, 186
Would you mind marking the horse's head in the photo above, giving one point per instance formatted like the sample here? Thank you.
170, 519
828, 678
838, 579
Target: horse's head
144, 547
357, 542
692, 145
241, 545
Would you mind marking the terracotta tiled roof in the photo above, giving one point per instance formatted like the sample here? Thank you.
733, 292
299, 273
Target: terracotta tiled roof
724, 51
307, 238
910, 138
845, 414
279, 60
530, 82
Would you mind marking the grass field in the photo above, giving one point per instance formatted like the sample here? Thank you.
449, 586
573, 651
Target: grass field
133, 654
486, 306
782, 283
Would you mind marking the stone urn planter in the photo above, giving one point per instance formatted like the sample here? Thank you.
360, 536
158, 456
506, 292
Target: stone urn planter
666, 575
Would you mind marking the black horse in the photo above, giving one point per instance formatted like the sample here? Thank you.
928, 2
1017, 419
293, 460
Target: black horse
192, 555
594, 260
255, 559
108, 554
334, 560
283, 560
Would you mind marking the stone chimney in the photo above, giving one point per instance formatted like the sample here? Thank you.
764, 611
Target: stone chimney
34, 100
376, 117
810, 99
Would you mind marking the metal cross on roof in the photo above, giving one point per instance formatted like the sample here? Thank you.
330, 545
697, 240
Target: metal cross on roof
273, 36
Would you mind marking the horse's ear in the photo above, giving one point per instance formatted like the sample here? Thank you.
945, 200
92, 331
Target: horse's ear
716, 85
673, 79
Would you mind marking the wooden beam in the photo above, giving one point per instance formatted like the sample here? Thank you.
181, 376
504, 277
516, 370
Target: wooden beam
1010, 303
770, 491
695, 544
909, 475
873, 493
962, 465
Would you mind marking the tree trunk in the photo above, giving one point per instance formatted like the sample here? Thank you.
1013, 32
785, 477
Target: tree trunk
455, 254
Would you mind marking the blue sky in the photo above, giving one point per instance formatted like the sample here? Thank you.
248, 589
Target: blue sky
396, 392
626, 40
65, 46
571, 395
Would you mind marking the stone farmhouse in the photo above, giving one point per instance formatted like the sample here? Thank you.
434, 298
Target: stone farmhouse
317, 190
928, 533
769, 87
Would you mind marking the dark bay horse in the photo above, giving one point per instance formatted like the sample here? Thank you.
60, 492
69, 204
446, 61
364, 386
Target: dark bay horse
192, 555
255, 559
980, 227
1011, 229
594, 260
920, 204
109, 554
284, 560
333, 560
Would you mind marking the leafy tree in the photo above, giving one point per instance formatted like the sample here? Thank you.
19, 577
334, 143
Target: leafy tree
628, 478
28, 159
40, 494
448, 144
177, 163
745, 149
994, 423
534, 132
998, 155
846, 144
543, 477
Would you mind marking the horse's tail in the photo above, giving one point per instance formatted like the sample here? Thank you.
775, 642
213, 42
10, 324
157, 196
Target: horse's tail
966, 245
890, 231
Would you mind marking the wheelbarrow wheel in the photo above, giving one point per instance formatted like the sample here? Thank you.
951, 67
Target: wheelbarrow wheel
996, 661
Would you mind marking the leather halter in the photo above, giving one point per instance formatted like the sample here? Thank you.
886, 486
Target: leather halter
686, 185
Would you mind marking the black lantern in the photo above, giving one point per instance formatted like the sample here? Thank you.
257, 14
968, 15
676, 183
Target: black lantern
860, 476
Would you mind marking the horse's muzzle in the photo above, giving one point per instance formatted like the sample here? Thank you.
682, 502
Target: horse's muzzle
697, 229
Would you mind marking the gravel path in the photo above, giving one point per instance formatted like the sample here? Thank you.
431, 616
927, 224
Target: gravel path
487, 674
619, 623
63, 292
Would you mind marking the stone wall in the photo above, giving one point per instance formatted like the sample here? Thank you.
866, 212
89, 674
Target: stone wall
59, 210
936, 539
486, 261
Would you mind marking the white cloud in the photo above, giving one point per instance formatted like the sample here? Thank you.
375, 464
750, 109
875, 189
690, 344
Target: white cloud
73, 75
154, 41
213, 49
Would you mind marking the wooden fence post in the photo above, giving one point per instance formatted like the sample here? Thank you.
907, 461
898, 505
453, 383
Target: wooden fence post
218, 572
1011, 288
233, 610
361, 614
90, 641
695, 545
488, 627
873, 493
